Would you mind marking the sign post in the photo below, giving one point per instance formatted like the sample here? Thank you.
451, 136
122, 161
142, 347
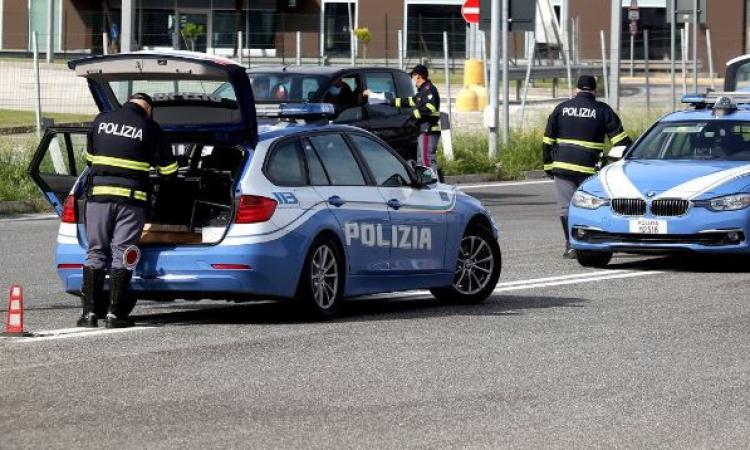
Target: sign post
634, 14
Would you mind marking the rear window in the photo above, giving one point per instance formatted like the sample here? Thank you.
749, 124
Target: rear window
283, 87
181, 102
285, 166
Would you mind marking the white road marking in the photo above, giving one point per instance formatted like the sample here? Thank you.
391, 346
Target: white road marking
576, 281
500, 184
30, 217
67, 333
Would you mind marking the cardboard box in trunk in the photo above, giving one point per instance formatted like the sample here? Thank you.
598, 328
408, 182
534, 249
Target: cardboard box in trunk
169, 234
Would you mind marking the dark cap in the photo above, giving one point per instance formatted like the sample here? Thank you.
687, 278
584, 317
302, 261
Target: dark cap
141, 96
419, 69
587, 83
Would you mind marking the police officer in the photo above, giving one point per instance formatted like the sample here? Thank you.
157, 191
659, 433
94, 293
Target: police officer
122, 145
426, 111
573, 144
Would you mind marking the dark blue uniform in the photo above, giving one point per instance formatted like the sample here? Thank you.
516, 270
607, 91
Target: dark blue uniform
426, 111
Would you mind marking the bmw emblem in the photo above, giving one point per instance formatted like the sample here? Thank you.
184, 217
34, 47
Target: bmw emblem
650, 193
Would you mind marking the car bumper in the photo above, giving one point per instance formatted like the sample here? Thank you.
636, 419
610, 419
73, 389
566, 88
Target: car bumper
699, 230
220, 271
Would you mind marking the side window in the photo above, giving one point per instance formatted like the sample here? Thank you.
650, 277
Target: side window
380, 82
386, 168
315, 168
285, 166
338, 160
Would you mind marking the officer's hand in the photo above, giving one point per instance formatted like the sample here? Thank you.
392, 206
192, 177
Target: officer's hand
366, 93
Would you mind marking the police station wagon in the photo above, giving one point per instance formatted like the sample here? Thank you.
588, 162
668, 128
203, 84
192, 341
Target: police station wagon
311, 212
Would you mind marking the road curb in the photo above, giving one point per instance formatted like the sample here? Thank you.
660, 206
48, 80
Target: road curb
471, 178
18, 207
534, 175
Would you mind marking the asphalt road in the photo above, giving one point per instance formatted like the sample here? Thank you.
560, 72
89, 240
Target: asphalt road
651, 352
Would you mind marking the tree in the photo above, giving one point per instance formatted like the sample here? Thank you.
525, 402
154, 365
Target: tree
191, 32
364, 36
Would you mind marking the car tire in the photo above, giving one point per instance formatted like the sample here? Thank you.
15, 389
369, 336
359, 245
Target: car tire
480, 260
588, 258
321, 285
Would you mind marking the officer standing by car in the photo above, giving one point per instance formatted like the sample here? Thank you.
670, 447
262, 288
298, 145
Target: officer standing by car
123, 145
573, 143
426, 111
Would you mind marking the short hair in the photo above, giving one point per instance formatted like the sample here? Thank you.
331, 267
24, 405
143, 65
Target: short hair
141, 96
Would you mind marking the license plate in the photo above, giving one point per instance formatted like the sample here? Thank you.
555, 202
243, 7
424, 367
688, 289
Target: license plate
648, 226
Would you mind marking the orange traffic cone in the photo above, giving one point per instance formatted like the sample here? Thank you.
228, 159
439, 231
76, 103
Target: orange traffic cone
14, 323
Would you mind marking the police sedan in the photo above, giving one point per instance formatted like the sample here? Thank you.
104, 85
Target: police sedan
683, 186
312, 213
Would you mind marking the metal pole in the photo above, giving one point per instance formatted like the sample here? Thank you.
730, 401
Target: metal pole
105, 44
672, 52
239, 47
684, 52
604, 64
37, 85
695, 45
530, 61
126, 26
648, 81
632, 48
298, 50
709, 50
400, 50
506, 81
494, 76
352, 50
484, 58
321, 38
614, 54
447, 149
567, 65
50, 30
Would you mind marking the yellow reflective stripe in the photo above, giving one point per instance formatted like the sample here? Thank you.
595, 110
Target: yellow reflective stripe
417, 114
435, 114
548, 166
117, 162
619, 137
412, 103
431, 107
397, 103
119, 192
585, 144
548, 140
435, 128
572, 167
88, 157
168, 170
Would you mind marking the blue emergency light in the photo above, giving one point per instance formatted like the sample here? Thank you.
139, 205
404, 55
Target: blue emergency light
304, 111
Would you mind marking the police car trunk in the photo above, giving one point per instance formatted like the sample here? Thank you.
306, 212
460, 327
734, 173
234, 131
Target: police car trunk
205, 106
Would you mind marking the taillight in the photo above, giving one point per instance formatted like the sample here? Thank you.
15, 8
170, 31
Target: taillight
254, 209
69, 214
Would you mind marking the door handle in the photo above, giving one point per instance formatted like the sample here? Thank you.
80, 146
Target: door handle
393, 203
336, 201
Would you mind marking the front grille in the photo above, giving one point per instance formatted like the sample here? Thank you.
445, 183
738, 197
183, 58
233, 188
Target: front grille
709, 239
629, 206
669, 207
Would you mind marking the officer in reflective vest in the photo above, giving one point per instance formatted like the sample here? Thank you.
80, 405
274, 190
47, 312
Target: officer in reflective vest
573, 143
122, 146
425, 107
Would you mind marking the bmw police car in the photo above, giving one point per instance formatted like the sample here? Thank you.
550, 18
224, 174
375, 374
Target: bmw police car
309, 212
683, 186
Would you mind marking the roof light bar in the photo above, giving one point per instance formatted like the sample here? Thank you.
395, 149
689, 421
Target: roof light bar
296, 110
711, 98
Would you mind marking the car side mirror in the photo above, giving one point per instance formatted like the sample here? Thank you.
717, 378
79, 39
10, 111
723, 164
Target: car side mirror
617, 152
425, 176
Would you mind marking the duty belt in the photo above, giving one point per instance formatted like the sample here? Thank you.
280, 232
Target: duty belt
118, 191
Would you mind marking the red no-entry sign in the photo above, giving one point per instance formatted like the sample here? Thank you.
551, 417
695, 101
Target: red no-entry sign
470, 11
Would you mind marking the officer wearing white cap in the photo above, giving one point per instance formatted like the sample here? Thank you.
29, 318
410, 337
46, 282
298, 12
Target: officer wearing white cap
573, 143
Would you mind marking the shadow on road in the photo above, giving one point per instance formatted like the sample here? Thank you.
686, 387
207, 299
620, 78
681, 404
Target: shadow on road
358, 310
684, 262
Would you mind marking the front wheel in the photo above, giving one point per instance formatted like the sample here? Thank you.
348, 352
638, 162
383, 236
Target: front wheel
477, 269
588, 258
321, 287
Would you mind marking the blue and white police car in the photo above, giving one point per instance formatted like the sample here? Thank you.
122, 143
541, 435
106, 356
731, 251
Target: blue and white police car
308, 211
684, 185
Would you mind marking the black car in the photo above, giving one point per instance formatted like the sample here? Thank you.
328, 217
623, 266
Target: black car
296, 84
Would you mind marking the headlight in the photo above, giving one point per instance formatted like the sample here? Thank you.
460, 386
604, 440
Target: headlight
730, 202
585, 200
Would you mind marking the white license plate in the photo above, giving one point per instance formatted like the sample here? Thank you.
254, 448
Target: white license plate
648, 226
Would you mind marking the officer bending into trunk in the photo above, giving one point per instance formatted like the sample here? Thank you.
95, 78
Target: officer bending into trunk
123, 145
573, 144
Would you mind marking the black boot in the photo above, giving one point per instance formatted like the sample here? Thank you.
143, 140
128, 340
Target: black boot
118, 294
93, 292
569, 252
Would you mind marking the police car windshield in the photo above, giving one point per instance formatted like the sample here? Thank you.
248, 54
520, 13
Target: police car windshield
285, 87
722, 140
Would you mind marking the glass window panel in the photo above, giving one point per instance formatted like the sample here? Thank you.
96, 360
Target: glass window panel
285, 167
385, 167
338, 160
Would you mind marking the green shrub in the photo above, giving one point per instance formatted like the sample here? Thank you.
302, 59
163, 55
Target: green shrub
15, 183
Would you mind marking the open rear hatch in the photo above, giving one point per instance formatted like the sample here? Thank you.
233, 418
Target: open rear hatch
205, 105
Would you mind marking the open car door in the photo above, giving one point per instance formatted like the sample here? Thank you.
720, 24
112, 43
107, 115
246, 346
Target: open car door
58, 162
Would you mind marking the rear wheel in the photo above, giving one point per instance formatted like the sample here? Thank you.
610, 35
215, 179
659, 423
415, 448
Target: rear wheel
588, 258
321, 287
477, 269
